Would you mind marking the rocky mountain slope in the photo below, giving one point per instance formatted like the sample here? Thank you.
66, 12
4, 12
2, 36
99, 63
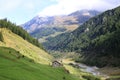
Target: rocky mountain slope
40, 27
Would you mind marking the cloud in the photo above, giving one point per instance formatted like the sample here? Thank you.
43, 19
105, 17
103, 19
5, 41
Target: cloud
68, 6
20, 11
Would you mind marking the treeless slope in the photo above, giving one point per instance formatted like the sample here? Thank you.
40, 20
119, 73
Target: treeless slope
25, 48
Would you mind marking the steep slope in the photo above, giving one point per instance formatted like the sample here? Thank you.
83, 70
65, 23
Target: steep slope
15, 37
40, 27
14, 66
98, 39
4, 23
25, 48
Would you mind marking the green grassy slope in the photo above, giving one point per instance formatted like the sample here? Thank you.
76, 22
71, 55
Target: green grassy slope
14, 66
25, 48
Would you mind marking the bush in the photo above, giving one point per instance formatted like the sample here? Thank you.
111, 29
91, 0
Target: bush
1, 37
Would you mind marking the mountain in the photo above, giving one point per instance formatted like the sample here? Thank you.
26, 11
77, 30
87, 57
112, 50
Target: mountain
22, 60
97, 40
40, 27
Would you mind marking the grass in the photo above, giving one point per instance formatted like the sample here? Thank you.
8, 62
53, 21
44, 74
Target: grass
13, 67
76, 71
25, 48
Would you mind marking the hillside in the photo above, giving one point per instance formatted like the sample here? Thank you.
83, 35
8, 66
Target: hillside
99, 36
25, 48
14, 66
22, 60
4, 23
42, 27
19, 60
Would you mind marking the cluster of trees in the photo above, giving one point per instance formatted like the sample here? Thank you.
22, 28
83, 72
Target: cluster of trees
4, 23
98, 39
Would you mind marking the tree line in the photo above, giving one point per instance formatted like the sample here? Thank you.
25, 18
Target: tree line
4, 23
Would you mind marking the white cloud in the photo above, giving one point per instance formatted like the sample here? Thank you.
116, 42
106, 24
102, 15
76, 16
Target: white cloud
68, 6
23, 10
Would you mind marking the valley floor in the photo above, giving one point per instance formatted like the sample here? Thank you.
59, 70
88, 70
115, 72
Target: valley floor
79, 69
76, 70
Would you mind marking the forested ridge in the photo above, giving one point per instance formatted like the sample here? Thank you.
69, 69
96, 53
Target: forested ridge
4, 23
97, 39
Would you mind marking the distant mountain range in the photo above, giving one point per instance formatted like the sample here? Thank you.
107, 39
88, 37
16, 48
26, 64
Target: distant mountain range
40, 27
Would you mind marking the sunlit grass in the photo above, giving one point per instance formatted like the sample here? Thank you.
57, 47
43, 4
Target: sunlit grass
14, 41
76, 71
13, 67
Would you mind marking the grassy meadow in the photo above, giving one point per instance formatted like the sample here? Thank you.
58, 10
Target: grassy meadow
15, 66
27, 49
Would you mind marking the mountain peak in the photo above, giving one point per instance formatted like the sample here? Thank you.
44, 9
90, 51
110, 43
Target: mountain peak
43, 25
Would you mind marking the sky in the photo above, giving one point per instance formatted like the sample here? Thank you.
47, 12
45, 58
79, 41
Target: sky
21, 11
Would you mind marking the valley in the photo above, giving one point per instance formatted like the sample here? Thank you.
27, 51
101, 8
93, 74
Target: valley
81, 44
80, 69
18, 57
97, 40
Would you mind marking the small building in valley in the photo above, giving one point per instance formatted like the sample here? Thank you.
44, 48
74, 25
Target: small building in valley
56, 63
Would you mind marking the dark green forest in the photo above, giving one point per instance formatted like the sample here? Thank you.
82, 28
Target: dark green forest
4, 23
98, 40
